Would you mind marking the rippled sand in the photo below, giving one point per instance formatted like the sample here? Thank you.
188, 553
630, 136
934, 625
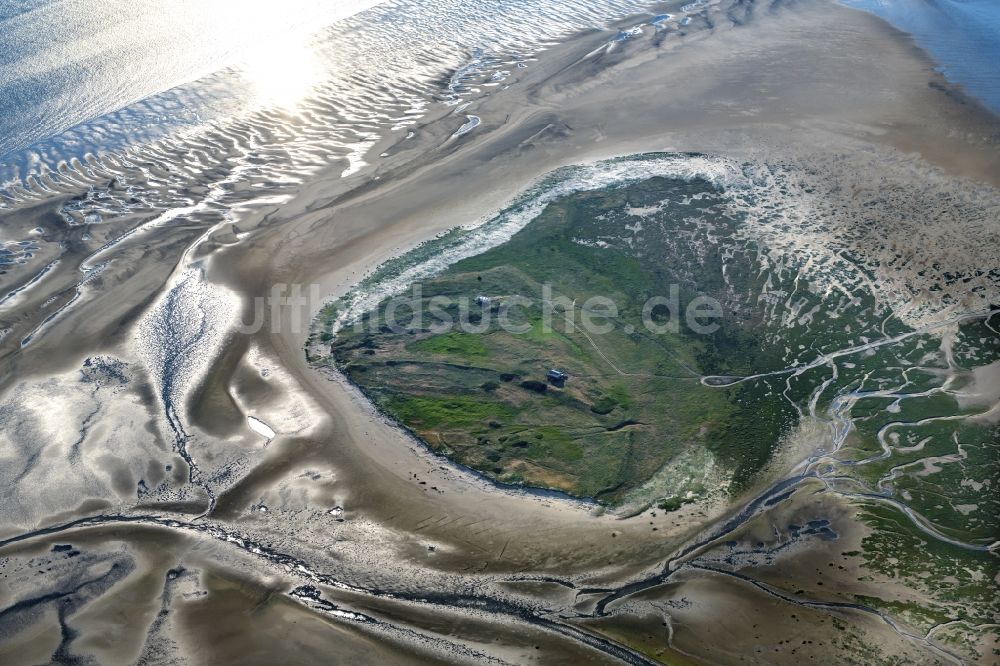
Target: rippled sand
145, 518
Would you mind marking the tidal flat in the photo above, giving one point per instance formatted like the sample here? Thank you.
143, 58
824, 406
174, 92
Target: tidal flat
856, 524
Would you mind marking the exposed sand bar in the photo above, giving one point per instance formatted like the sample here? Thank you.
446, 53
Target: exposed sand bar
812, 83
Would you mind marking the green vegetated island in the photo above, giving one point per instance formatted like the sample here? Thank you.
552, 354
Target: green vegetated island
631, 412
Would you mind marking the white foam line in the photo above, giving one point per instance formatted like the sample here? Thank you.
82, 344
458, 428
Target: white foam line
496, 230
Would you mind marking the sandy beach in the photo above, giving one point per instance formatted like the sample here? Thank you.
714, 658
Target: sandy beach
342, 535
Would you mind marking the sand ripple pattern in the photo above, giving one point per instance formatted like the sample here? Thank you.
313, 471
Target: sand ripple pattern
380, 70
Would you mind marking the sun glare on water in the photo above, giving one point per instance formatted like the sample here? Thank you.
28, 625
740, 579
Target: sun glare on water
283, 71
276, 56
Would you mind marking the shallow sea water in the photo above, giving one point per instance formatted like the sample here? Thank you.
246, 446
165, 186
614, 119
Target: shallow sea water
963, 37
